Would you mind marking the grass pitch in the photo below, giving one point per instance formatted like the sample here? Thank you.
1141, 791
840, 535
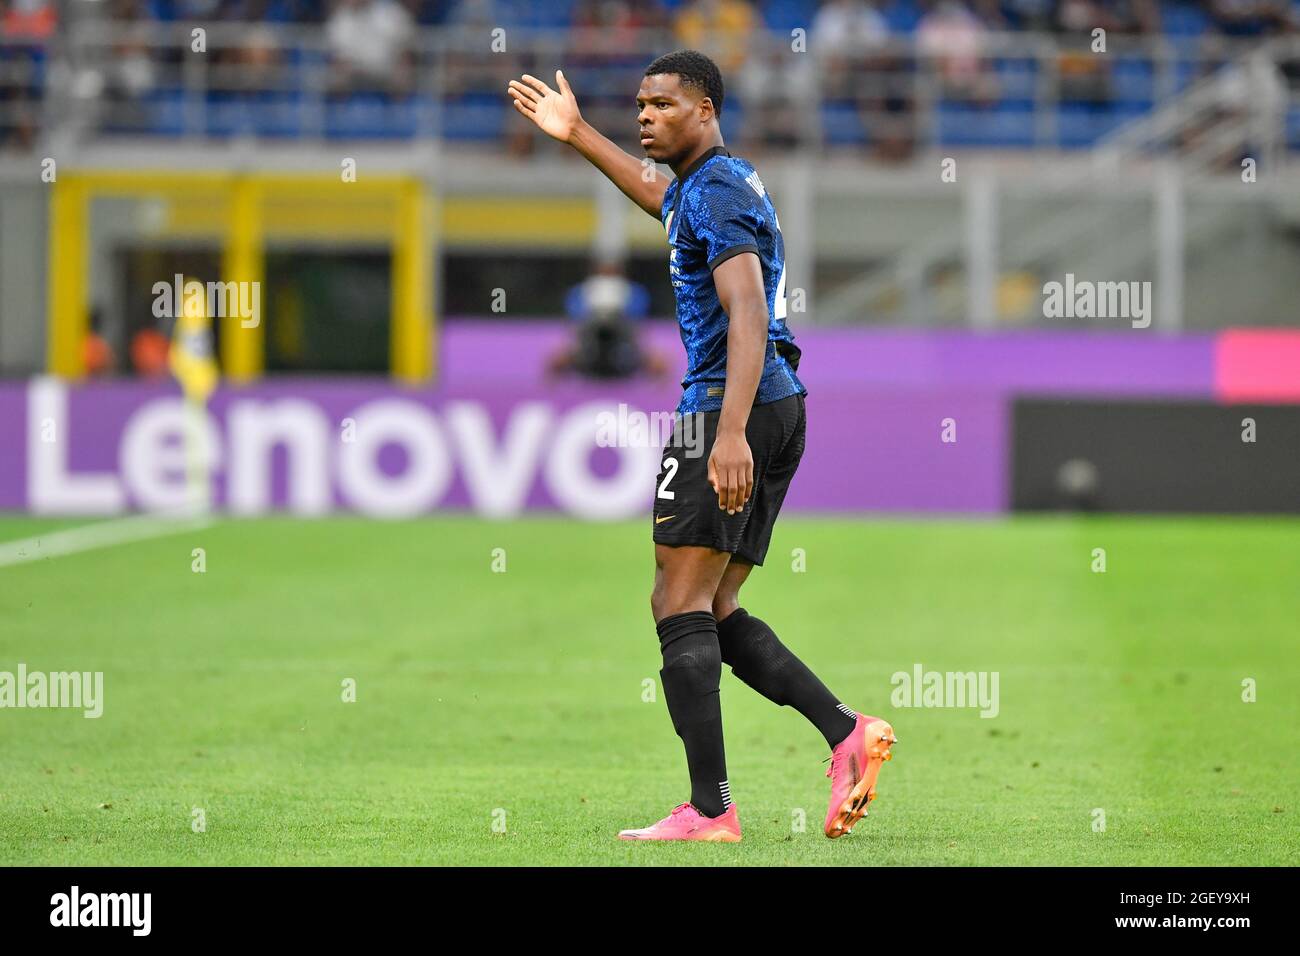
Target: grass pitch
517, 697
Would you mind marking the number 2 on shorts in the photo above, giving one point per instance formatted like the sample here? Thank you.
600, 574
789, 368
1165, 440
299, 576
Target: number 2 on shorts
671, 465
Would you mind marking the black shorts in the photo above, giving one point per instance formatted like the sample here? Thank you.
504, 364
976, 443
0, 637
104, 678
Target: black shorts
686, 508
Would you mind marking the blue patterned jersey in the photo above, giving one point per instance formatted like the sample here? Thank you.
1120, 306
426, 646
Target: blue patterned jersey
716, 209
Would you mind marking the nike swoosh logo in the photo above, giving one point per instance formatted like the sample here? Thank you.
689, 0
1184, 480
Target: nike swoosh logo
662, 520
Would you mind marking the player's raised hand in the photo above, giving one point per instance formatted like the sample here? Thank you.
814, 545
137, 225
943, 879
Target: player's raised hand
554, 111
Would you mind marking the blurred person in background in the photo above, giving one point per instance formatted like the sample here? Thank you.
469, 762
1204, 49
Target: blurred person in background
608, 38
133, 72
720, 28
1026, 14
258, 55
843, 33
953, 37
370, 47
776, 91
471, 78
607, 307
27, 25
848, 38
614, 26
1251, 18
1085, 76
468, 71
97, 354
149, 353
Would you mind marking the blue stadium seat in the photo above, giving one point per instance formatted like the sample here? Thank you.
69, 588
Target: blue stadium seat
165, 113
733, 119
1183, 19
1080, 125
1132, 80
1185, 74
902, 15
841, 124
551, 15
1293, 128
964, 124
474, 117
783, 16
370, 116
279, 116
1017, 77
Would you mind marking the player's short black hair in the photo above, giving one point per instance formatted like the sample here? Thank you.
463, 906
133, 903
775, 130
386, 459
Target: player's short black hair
695, 70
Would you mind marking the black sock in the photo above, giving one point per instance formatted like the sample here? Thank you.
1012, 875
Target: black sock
691, 674
768, 666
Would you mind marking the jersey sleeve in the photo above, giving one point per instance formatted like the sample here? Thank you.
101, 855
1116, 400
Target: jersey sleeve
726, 218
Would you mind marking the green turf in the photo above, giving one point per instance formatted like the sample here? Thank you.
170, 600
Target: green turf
522, 691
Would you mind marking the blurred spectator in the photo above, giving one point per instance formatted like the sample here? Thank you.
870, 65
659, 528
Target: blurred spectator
97, 355
1085, 77
369, 43
608, 52
133, 71
1026, 14
720, 28
470, 73
953, 36
848, 38
257, 58
847, 27
430, 12
607, 306
843, 37
776, 89
29, 19
149, 349
1248, 18
613, 25
27, 25
213, 11
1114, 16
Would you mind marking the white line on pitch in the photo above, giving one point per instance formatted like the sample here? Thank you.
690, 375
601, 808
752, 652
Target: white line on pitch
101, 534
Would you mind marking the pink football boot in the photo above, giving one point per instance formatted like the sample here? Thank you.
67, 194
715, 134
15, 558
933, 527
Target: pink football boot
687, 823
855, 764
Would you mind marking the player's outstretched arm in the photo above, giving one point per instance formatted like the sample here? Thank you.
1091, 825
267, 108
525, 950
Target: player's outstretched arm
556, 114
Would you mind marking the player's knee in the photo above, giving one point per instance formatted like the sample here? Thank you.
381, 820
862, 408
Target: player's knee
658, 602
667, 602
724, 604
670, 605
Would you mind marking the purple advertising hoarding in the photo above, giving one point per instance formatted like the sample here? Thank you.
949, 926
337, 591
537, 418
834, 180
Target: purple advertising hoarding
896, 422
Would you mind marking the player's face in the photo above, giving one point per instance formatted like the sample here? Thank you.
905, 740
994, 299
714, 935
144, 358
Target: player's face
672, 120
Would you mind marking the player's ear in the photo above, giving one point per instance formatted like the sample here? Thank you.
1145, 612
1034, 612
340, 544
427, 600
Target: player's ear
706, 109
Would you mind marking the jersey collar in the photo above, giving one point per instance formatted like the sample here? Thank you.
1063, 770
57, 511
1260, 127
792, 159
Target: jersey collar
701, 160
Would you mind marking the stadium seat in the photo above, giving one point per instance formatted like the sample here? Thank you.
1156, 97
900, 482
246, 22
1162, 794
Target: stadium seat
1293, 128
370, 116
964, 124
474, 117
841, 124
1080, 125
902, 15
1132, 80
164, 114
1183, 19
782, 16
